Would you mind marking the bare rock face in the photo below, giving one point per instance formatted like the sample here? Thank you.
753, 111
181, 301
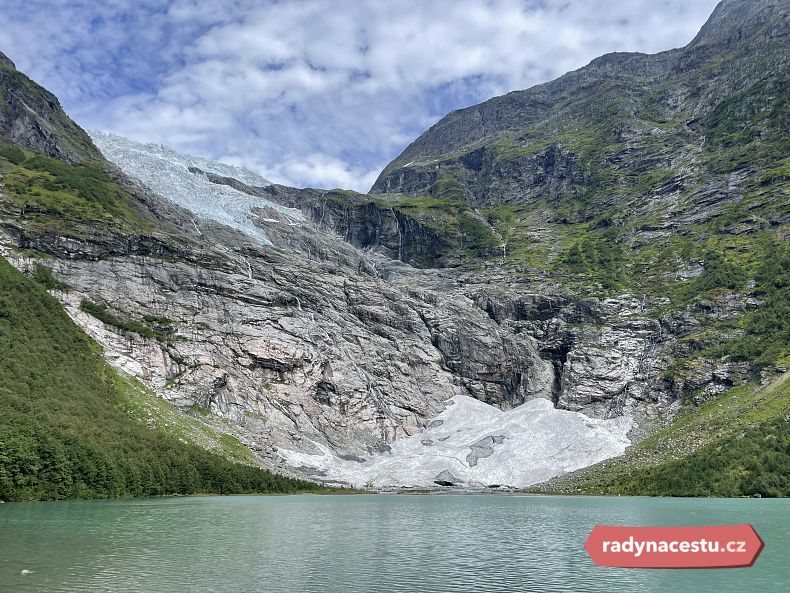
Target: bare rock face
298, 353
358, 220
288, 354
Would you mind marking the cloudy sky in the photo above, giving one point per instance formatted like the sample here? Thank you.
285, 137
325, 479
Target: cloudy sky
318, 93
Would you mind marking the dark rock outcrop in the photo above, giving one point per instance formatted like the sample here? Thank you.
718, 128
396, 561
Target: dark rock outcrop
32, 118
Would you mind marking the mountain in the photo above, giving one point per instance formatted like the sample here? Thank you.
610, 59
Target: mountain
71, 427
595, 266
356, 349
32, 118
620, 116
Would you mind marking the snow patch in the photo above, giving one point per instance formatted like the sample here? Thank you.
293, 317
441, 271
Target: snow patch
474, 444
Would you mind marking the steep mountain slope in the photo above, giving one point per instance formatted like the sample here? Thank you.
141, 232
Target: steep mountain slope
71, 427
622, 113
614, 242
296, 349
595, 170
663, 176
32, 118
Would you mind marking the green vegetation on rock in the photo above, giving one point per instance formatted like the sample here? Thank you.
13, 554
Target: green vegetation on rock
154, 328
51, 194
71, 427
43, 275
736, 444
754, 462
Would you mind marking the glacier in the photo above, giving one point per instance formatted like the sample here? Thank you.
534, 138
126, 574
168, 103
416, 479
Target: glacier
166, 172
470, 444
473, 444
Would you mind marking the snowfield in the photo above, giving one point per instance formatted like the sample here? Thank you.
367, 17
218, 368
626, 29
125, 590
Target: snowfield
473, 444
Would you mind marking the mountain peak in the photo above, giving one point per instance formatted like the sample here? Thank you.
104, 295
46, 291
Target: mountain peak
32, 118
6, 61
734, 20
743, 41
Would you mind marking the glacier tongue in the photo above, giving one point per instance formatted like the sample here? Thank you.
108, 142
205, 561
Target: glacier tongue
167, 173
474, 444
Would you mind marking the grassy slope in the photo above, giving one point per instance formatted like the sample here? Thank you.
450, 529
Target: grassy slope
53, 196
71, 427
737, 444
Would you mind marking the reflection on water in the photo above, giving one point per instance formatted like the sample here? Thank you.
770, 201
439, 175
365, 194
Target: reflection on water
369, 543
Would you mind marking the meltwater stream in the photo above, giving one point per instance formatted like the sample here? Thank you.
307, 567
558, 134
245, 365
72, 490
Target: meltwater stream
364, 544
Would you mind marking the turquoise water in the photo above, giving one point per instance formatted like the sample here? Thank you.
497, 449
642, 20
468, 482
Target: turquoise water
367, 543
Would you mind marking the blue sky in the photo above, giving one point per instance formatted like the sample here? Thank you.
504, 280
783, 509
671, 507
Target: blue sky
318, 93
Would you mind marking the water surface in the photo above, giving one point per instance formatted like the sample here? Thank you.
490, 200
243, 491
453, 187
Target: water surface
366, 543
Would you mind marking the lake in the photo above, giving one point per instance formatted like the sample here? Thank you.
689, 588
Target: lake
364, 543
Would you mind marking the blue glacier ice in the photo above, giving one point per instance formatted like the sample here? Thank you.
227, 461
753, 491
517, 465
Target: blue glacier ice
166, 172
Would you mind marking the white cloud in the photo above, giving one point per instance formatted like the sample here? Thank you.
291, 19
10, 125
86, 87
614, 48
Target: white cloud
313, 92
325, 171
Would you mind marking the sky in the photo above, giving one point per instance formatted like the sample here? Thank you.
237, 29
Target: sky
319, 93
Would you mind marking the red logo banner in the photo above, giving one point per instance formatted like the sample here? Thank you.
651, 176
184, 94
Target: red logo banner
717, 546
